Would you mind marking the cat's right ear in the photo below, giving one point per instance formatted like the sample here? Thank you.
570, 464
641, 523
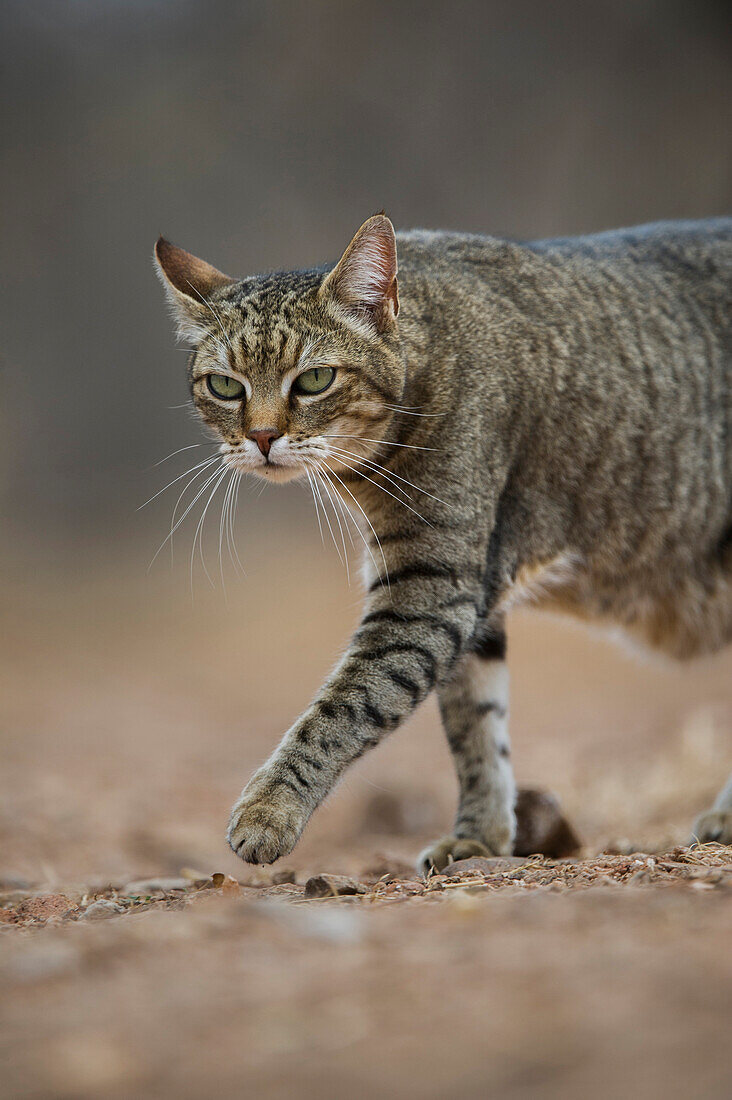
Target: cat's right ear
364, 281
188, 283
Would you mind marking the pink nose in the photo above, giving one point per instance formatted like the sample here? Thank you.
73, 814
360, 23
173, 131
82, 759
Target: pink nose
264, 438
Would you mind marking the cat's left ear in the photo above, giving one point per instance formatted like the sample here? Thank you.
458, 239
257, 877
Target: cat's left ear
364, 280
188, 282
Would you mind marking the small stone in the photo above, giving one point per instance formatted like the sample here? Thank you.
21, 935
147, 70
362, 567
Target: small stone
486, 865
282, 878
332, 886
155, 885
541, 829
101, 910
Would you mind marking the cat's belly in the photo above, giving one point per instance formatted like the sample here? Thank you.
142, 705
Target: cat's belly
684, 615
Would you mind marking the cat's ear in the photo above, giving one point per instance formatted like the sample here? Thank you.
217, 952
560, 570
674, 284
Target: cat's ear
364, 280
188, 283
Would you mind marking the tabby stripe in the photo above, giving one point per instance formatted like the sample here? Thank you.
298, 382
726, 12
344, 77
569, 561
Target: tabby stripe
405, 647
422, 571
311, 761
486, 708
490, 647
406, 683
287, 783
298, 775
386, 615
374, 715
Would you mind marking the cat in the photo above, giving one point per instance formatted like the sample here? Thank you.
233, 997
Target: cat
548, 420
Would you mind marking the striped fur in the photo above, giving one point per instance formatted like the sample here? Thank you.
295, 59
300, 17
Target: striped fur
552, 418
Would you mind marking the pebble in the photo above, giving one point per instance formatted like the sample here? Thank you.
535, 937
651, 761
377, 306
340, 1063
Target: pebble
487, 865
101, 910
332, 886
541, 827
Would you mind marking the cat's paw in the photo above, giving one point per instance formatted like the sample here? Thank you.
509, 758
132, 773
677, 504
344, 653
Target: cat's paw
449, 850
266, 824
714, 825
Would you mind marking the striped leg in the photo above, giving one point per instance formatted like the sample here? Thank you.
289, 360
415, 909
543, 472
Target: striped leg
412, 636
716, 824
474, 708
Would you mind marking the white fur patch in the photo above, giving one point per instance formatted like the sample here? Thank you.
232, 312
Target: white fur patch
488, 680
531, 585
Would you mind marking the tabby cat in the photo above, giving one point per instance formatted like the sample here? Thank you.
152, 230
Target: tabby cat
550, 420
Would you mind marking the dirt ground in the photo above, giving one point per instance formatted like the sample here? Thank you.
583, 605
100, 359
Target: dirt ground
140, 958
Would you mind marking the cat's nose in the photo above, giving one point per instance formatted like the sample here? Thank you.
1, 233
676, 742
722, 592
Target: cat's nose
264, 438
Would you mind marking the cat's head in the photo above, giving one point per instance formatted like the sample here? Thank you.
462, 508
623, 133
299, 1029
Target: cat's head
296, 368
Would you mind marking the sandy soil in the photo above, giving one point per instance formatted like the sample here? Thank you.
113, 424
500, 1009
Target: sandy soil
130, 720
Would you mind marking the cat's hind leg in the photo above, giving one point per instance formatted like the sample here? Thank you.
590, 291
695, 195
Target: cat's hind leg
474, 709
716, 823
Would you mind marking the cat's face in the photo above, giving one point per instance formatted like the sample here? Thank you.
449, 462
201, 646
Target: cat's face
293, 370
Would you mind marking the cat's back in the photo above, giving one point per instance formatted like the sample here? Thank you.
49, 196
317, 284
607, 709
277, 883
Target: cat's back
673, 277
697, 249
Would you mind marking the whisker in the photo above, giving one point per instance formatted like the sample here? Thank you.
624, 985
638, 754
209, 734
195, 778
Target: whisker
332, 473
384, 490
384, 442
405, 411
327, 518
180, 450
209, 306
340, 527
231, 535
222, 523
175, 527
376, 466
182, 493
180, 477
220, 474
315, 502
233, 523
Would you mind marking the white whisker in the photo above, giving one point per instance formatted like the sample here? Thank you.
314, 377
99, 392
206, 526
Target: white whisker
340, 527
198, 535
390, 474
180, 477
174, 527
179, 451
383, 442
384, 490
315, 502
209, 306
332, 473
326, 517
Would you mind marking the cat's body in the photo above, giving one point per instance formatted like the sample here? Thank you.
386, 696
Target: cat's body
565, 410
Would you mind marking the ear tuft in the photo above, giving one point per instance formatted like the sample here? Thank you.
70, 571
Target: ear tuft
364, 280
188, 282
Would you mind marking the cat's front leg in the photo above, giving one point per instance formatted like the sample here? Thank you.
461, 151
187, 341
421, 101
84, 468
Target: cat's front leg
407, 643
474, 709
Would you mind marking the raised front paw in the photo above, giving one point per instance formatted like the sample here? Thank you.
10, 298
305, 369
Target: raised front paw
449, 850
714, 825
266, 823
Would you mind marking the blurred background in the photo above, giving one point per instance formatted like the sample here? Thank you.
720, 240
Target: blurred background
134, 704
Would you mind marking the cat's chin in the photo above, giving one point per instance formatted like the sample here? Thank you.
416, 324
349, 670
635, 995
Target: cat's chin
275, 472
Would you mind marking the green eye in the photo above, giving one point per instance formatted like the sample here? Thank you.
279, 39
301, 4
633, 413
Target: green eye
314, 380
224, 387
